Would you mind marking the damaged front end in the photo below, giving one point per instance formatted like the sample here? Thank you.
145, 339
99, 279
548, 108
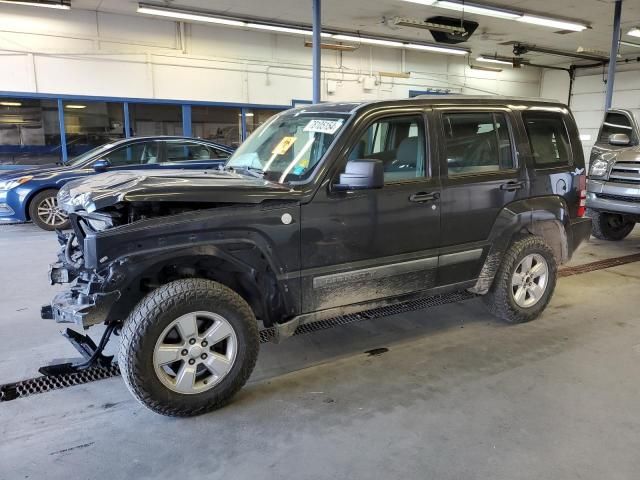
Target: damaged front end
92, 293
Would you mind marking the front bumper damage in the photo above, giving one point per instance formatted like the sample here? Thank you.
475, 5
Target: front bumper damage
79, 307
86, 302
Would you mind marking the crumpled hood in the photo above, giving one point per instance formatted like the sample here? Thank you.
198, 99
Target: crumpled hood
214, 186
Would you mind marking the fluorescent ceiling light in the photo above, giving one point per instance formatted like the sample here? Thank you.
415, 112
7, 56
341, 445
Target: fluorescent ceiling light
372, 41
549, 22
278, 28
478, 9
196, 17
585, 137
508, 14
433, 48
634, 32
59, 6
11, 104
75, 107
422, 2
482, 58
630, 44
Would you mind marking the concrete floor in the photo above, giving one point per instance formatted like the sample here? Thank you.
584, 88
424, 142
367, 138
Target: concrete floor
458, 394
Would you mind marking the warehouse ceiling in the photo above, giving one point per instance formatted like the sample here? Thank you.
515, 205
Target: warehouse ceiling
491, 37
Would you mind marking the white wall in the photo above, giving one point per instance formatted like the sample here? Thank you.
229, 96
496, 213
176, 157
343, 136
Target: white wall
87, 53
588, 96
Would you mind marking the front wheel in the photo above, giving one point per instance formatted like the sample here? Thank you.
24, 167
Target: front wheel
188, 347
525, 281
44, 211
610, 226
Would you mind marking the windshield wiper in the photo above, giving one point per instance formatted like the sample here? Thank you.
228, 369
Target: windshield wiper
253, 171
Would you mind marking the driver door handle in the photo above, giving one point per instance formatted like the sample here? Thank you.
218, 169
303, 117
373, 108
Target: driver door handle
512, 186
420, 197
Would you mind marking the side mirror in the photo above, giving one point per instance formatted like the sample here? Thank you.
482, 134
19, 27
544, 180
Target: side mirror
361, 175
620, 139
101, 165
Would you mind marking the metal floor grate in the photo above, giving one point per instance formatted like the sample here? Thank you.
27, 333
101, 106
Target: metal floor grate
267, 334
43, 384
598, 265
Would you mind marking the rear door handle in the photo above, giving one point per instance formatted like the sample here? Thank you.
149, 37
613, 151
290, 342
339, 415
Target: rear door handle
424, 197
512, 186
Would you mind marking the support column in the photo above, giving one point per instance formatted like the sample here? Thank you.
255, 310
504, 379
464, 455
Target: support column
127, 124
317, 27
186, 120
611, 74
63, 133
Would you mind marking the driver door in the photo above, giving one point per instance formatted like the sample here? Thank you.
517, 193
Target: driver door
364, 245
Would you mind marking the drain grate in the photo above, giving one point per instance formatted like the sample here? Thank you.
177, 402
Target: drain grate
43, 384
268, 333
599, 265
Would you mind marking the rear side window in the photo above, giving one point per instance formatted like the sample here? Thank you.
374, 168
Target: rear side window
615, 123
477, 143
184, 151
548, 138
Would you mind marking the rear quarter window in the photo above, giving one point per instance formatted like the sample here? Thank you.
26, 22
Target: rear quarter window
548, 138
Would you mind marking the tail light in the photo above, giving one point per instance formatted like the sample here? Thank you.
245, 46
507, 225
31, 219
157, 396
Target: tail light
582, 187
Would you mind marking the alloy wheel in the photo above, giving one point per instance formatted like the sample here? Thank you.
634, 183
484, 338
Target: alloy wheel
195, 352
49, 213
529, 280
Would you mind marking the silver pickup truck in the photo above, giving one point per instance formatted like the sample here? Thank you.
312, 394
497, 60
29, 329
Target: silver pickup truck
613, 186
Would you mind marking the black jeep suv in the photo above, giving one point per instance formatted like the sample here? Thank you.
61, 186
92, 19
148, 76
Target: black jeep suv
324, 210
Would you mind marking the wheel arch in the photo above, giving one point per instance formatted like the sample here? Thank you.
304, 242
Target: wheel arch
250, 274
546, 217
32, 195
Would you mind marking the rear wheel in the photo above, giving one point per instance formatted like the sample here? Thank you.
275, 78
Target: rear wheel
44, 211
525, 281
188, 347
610, 226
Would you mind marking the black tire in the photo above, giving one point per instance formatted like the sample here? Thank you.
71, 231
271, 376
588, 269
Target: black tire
149, 319
500, 299
610, 226
39, 199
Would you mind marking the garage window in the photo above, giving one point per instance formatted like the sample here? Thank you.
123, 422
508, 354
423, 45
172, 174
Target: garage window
548, 139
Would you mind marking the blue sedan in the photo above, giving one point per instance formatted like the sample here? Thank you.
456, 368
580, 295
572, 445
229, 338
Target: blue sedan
30, 194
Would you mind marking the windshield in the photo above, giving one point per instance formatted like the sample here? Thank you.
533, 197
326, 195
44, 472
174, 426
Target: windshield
87, 155
288, 146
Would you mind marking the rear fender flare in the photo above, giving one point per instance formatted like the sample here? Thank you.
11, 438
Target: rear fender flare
546, 216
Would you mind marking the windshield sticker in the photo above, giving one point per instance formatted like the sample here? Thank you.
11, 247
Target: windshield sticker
283, 146
323, 126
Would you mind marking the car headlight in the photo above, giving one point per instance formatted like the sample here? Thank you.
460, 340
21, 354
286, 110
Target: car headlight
9, 184
599, 168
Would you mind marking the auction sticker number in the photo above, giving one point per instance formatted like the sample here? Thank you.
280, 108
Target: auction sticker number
323, 126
